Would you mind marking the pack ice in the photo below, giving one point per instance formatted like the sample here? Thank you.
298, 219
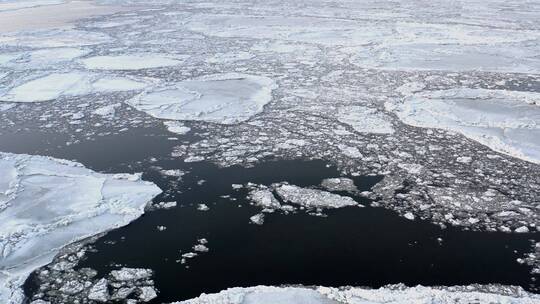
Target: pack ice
129, 62
390, 294
47, 203
221, 98
505, 121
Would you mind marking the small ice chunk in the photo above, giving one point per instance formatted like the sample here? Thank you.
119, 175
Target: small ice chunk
202, 207
257, 219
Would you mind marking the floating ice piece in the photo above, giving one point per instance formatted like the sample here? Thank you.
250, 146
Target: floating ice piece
47, 203
366, 120
313, 198
53, 38
257, 219
222, 98
56, 85
505, 121
389, 294
131, 61
450, 57
325, 31
108, 110
339, 184
176, 127
46, 58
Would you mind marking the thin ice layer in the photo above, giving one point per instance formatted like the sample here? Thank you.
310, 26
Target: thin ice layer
47, 203
505, 121
222, 98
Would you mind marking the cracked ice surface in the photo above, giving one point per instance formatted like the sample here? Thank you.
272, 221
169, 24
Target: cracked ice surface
220, 98
72, 203
388, 294
505, 121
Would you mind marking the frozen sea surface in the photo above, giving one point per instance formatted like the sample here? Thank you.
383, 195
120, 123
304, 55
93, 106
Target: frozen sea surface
47, 203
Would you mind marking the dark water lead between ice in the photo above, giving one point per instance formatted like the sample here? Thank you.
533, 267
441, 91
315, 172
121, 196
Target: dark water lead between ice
352, 246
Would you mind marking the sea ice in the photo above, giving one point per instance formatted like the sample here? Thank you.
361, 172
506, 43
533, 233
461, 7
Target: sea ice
505, 121
389, 294
312, 198
56, 85
221, 98
47, 203
131, 61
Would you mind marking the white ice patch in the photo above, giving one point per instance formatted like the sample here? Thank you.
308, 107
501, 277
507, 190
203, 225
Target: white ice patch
451, 57
53, 38
393, 294
47, 203
313, 198
45, 58
325, 31
222, 98
366, 120
505, 121
56, 85
176, 127
130, 62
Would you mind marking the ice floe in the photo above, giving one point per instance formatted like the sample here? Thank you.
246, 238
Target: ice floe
221, 98
54, 38
130, 61
313, 198
57, 85
505, 121
47, 203
350, 295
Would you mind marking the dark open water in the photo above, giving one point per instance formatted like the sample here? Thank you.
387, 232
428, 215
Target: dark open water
352, 246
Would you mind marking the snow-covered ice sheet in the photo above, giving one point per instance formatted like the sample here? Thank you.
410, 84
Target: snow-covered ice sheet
130, 61
73, 203
47, 203
505, 121
221, 98
397, 294
56, 85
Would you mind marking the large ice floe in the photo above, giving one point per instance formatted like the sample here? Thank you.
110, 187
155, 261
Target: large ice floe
130, 62
47, 203
57, 85
390, 294
505, 121
221, 98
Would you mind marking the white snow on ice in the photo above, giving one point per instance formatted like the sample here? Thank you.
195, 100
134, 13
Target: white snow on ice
131, 61
366, 120
47, 203
221, 98
55, 85
505, 121
392, 294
